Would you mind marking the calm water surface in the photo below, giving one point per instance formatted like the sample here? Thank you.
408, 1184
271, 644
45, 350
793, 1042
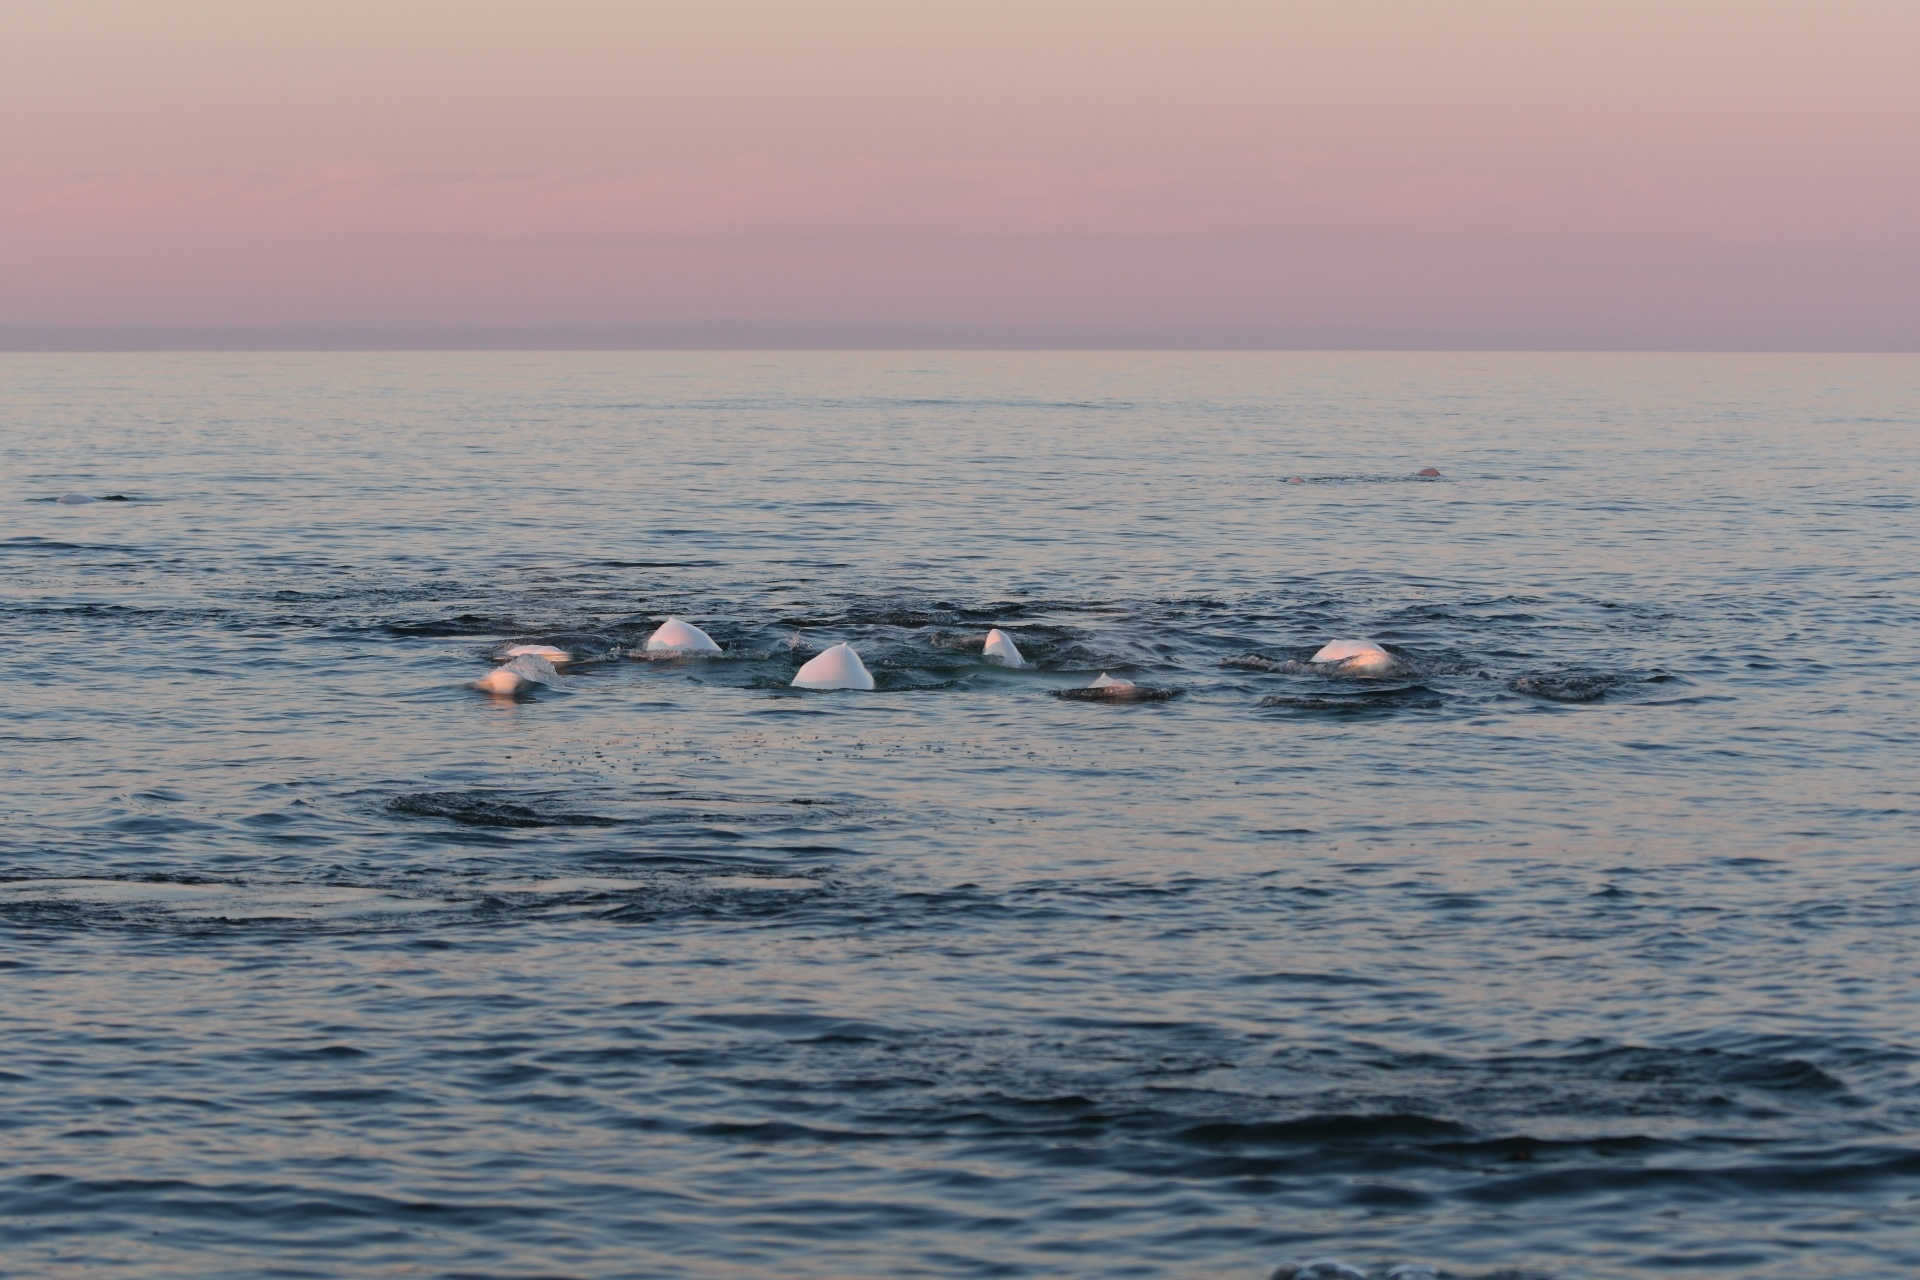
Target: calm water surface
1588, 945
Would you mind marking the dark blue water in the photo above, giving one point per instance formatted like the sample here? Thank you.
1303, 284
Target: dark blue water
1585, 944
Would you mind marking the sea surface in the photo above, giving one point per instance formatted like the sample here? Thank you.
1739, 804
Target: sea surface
1585, 943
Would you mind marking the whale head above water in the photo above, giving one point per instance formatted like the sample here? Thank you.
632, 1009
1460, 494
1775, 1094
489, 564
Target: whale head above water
838, 668
1109, 682
1001, 649
1354, 658
503, 682
680, 637
544, 651
518, 676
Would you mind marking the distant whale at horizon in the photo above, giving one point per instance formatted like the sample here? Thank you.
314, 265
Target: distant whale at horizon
1355, 658
838, 668
675, 636
1000, 648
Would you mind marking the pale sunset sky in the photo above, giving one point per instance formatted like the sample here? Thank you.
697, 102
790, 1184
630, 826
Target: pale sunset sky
1618, 173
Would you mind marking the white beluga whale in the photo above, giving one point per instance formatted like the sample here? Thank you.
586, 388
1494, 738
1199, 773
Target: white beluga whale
1112, 682
75, 499
503, 681
1354, 658
1001, 649
675, 636
518, 676
838, 668
545, 651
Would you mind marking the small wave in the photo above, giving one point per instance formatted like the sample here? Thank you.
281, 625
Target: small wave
1393, 1128
1261, 662
211, 900
482, 809
1584, 686
465, 624
1396, 477
1124, 693
1359, 702
573, 886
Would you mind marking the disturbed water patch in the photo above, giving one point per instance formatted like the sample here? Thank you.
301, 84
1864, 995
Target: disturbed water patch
1582, 686
209, 901
1359, 702
486, 809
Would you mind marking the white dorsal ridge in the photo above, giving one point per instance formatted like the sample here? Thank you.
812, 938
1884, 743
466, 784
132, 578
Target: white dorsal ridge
838, 668
681, 637
1001, 648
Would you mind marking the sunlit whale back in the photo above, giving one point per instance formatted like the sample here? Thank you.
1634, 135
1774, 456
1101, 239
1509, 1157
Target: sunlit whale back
680, 637
1355, 657
838, 668
544, 651
1110, 682
1001, 648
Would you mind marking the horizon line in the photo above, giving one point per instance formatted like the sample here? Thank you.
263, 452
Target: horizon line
780, 335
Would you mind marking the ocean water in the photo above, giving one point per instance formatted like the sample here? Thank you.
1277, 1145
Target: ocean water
1585, 943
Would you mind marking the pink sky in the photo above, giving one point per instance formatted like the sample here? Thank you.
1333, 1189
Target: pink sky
1615, 172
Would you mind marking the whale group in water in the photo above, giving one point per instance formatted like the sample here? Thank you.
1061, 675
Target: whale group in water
839, 667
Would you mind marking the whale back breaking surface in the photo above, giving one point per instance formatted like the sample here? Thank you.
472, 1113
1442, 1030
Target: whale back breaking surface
837, 668
1000, 648
1355, 657
675, 636
545, 652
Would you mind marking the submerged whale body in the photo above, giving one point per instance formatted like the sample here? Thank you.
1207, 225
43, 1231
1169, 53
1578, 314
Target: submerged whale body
545, 652
1112, 689
1354, 658
1001, 648
516, 677
838, 668
675, 636
75, 499
1319, 1269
